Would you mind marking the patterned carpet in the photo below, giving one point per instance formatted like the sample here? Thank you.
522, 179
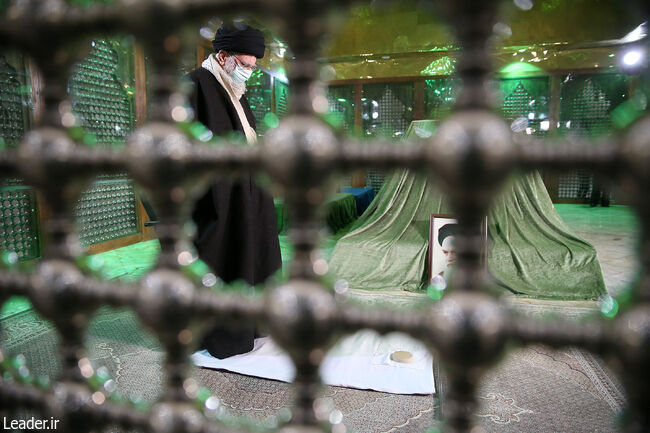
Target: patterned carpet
533, 389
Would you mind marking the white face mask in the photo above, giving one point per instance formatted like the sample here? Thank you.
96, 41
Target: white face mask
239, 75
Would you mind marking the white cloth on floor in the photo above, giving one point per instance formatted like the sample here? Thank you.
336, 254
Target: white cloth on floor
361, 360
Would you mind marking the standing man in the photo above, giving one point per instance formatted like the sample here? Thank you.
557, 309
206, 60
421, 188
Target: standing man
237, 232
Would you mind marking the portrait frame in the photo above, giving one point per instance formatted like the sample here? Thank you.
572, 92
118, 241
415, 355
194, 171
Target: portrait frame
436, 259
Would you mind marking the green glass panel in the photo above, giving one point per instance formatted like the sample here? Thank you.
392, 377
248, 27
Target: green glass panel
19, 222
439, 97
19, 231
99, 90
15, 101
524, 100
340, 115
588, 102
525, 104
340, 99
386, 111
107, 211
258, 93
100, 98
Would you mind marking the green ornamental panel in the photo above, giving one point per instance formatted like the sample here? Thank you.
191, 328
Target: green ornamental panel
107, 211
340, 100
588, 101
386, 111
19, 231
340, 115
102, 98
439, 97
586, 111
524, 101
281, 98
14, 104
525, 104
19, 222
99, 97
258, 93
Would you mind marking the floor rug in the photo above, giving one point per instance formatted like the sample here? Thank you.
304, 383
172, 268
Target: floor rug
533, 389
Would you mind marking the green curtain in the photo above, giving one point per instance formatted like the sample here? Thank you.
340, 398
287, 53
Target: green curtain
531, 250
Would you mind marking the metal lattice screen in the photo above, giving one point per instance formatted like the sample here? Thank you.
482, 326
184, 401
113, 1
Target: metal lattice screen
100, 99
585, 111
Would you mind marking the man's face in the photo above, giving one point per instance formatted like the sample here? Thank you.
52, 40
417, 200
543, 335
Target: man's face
449, 250
230, 62
246, 61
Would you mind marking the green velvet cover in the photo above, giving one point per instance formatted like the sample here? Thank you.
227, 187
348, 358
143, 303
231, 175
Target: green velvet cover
280, 214
531, 250
339, 210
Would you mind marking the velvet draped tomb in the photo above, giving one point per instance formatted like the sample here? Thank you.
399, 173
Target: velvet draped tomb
531, 251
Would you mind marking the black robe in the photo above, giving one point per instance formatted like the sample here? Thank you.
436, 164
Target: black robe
237, 233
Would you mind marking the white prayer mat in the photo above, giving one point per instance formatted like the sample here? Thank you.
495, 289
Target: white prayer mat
361, 360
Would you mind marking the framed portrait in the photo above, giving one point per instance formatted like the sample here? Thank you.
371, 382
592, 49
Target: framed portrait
442, 247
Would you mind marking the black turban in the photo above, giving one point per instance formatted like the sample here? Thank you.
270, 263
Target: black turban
239, 38
446, 231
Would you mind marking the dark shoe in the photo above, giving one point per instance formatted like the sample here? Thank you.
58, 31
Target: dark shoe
223, 342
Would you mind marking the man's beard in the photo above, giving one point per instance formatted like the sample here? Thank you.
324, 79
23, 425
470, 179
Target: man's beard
447, 272
229, 67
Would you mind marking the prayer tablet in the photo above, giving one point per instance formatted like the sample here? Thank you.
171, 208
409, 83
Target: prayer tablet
402, 356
